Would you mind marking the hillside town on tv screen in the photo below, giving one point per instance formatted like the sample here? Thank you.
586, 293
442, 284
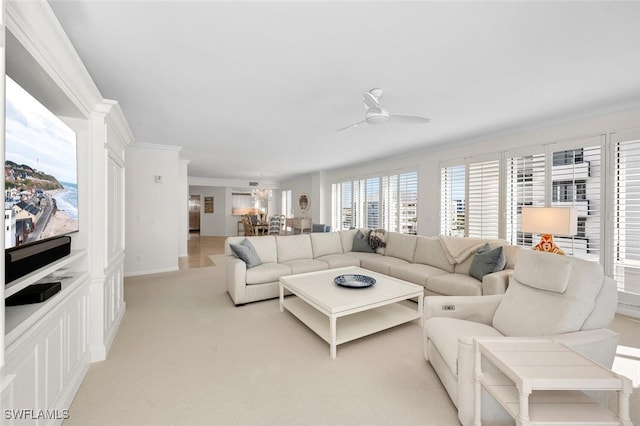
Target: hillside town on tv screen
40, 171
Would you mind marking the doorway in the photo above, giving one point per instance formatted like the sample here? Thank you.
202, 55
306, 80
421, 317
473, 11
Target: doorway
194, 213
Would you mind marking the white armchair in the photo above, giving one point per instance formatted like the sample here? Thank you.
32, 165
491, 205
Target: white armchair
559, 297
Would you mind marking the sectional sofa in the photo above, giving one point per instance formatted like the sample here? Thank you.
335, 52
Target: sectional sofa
440, 264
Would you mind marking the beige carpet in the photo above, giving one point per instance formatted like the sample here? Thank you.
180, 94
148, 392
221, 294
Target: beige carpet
184, 355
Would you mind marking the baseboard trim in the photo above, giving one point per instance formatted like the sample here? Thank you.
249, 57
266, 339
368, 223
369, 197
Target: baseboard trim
628, 310
151, 272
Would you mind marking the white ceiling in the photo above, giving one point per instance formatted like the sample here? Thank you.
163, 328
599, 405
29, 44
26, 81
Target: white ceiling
253, 89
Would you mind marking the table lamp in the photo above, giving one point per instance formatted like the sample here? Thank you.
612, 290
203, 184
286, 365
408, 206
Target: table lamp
549, 221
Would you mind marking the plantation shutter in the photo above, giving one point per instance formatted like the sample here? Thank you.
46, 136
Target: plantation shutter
389, 203
452, 200
372, 202
626, 253
483, 199
408, 203
576, 180
525, 187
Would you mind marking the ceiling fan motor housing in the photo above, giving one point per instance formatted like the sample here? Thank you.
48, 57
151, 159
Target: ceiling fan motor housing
377, 117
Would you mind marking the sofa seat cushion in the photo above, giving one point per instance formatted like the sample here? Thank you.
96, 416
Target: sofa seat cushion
415, 272
454, 285
381, 264
267, 273
445, 333
300, 266
362, 255
339, 260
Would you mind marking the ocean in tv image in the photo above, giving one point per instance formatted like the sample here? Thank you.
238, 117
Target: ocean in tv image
40, 171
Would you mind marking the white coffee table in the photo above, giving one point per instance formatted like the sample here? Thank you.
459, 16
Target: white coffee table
540, 382
318, 302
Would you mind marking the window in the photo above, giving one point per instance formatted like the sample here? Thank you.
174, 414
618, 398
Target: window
407, 207
576, 182
525, 187
452, 201
470, 199
626, 253
483, 200
287, 207
388, 202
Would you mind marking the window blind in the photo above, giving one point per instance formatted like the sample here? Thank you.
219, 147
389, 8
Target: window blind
452, 200
483, 199
576, 176
386, 201
525, 187
626, 254
407, 205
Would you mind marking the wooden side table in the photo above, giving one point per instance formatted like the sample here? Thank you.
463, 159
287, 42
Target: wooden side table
540, 382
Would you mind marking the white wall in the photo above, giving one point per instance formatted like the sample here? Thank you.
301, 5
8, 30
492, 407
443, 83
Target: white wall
306, 184
153, 209
212, 224
183, 234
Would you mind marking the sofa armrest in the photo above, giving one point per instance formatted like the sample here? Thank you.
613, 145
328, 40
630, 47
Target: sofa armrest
236, 277
471, 308
496, 282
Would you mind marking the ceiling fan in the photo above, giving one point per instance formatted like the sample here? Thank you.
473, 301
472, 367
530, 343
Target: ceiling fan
375, 114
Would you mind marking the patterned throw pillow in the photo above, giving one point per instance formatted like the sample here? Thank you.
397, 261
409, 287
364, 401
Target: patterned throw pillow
377, 239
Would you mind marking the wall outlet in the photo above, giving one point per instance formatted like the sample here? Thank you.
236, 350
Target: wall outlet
448, 307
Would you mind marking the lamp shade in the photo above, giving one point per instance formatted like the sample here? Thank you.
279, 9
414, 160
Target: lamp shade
550, 220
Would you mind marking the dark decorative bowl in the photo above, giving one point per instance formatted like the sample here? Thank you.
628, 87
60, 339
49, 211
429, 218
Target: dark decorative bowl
354, 281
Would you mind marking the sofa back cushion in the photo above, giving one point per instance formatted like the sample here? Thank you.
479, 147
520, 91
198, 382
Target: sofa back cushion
325, 243
548, 294
292, 247
402, 246
429, 251
346, 237
264, 246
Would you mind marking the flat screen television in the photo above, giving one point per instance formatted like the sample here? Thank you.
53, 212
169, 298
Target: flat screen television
40, 171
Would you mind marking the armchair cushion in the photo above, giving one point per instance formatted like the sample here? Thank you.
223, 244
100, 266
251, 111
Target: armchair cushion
549, 273
531, 311
445, 332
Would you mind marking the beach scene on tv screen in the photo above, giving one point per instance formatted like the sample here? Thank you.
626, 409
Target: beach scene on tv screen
40, 171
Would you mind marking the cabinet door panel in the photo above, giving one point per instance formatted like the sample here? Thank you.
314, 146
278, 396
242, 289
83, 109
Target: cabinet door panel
53, 364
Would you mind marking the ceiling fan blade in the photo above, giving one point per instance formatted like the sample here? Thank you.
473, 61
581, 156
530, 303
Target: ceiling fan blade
371, 101
403, 118
352, 125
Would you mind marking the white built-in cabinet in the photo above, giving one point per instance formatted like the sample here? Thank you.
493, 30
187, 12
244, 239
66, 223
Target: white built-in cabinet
47, 348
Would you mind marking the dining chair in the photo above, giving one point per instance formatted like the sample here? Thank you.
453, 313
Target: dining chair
249, 230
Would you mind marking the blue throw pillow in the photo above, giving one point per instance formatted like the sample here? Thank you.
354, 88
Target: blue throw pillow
247, 253
487, 261
361, 242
